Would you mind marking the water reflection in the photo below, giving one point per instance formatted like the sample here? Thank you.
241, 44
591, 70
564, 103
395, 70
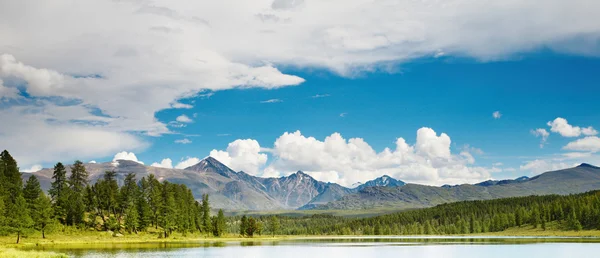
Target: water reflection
348, 247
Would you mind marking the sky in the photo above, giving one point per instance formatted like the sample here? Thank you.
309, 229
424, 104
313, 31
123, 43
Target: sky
430, 92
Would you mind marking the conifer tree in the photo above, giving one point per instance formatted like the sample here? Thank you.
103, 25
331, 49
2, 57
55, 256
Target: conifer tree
274, 225
243, 225
206, 222
18, 217
43, 214
31, 191
77, 182
59, 191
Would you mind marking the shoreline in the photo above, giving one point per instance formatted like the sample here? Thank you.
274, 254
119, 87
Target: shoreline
150, 239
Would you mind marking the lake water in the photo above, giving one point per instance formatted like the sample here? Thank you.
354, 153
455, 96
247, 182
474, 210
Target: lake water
463, 247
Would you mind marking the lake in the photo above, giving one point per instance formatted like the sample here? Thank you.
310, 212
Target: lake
464, 247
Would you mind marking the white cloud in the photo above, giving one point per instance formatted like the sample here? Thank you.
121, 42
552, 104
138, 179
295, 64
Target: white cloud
165, 163
147, 56
428, 161
541, 132
187, 162
562, 127
92, 162
590, 143
242, 155
343, 114
181, 105
271, 101
184, 119
126, 156
183, 141
577, 155
320, 96
496, 114
540, 166
34, 168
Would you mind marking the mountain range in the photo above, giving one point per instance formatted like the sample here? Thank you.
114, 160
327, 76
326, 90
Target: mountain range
231, 190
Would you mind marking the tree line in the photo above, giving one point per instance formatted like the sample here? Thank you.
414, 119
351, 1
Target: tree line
105, 205
567, 212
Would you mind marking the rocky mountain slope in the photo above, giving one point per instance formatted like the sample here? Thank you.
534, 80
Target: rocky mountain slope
567, 181
228, 189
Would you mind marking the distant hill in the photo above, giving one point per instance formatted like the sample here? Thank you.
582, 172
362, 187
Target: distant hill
567, 181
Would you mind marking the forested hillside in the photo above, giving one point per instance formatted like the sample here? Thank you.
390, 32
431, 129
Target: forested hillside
103, 206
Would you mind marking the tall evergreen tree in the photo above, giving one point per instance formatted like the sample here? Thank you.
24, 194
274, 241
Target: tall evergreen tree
77, 183
243, 225
43, 214
32, 191
167, 209
18, 217
59, 191
219, 224
206, 222
12, 178
274, 225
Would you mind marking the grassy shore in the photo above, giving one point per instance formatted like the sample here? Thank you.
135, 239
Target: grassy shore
87, 239
16, 253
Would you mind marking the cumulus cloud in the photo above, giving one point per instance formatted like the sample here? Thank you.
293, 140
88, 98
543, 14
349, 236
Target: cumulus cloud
187, 162
165, 163
336, 159
183, 141
242, 155
147, 56
496, 114
562, 127
543, 134
184, 119
33, 168
126, 156
92, 162
590, 143
539, 166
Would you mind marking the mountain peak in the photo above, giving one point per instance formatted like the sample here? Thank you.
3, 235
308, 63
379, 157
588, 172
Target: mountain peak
210, 164
586, 165
384, 180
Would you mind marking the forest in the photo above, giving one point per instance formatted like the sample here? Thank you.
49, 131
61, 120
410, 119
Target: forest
164, 208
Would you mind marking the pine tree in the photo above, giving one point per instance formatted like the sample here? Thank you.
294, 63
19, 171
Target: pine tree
243, 225
32, 191
131, 219
59, 191
19, 218
13, 183
251, 227
167, 209
219, 224
274, 225
77, 182
43, 214
206, 222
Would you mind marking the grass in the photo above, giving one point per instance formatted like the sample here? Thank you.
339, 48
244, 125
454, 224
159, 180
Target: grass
552, 229
15, 253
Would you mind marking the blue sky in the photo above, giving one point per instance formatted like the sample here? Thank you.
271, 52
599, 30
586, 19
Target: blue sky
404, 88
456, 96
